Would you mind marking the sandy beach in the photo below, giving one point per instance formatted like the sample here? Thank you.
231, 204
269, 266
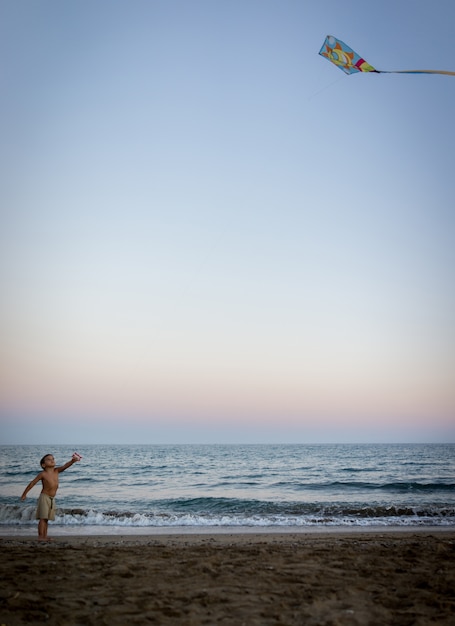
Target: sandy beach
399, 578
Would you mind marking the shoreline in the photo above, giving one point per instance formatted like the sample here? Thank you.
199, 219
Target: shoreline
222, 535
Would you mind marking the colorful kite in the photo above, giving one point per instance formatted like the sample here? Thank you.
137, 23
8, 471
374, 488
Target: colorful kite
350, 62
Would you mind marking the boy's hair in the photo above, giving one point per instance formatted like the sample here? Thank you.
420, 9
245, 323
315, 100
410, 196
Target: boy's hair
42, 460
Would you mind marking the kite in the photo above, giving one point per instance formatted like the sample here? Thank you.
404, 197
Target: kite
350, 62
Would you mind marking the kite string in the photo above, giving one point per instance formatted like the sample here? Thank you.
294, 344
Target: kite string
326, 87
444, 72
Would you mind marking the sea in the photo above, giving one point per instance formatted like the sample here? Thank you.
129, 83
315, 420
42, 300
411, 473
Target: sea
222, 488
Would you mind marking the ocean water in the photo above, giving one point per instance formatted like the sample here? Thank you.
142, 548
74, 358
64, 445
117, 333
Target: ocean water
231, 486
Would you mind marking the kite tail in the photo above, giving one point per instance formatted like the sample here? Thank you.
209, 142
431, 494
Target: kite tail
416, 72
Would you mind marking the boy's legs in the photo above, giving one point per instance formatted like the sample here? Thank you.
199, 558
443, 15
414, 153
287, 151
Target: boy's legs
42, 530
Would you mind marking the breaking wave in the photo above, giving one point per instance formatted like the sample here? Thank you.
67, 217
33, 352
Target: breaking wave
227, 512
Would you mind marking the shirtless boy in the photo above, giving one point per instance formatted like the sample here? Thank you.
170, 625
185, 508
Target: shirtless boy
46, 501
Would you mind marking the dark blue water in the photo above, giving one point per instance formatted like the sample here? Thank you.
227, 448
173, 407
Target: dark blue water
238, 485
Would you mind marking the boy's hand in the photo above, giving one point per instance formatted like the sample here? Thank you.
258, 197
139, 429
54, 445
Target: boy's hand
23, 496
76, 457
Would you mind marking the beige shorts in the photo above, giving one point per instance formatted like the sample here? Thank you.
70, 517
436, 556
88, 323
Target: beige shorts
46, 507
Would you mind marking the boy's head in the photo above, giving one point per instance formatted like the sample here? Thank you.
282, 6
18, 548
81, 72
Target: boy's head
43, 460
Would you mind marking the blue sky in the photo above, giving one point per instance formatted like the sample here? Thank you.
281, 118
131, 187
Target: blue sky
210, 233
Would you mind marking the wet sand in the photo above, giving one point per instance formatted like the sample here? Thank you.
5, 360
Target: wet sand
371, 578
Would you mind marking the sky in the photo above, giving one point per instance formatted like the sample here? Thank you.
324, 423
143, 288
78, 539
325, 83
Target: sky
211, 234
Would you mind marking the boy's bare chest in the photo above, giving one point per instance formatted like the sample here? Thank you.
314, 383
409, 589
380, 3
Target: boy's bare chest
50, 480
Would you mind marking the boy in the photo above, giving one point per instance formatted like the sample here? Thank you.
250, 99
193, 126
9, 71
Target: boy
46, 501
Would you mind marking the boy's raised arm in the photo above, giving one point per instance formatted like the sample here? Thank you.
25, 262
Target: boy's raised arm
74, 459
